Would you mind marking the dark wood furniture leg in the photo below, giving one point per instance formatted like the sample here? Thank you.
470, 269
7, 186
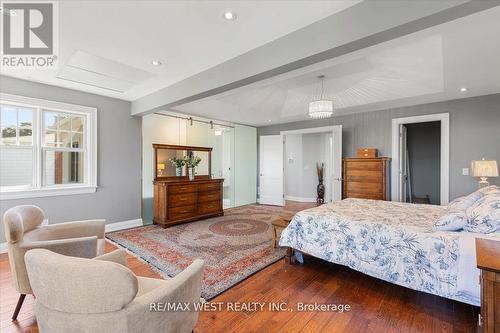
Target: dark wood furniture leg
18, 306
289, 257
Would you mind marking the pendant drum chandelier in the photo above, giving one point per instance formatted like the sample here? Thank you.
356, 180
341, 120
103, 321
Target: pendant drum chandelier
321, 108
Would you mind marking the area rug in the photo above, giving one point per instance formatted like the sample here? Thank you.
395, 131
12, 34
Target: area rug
233, 246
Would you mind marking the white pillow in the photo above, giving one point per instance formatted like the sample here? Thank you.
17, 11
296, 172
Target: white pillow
452, 221
484, 215
465, 202
489, 189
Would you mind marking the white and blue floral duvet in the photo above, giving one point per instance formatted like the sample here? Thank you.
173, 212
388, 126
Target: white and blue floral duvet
392, 241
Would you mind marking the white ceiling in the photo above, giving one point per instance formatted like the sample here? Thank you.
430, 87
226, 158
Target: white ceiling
427, 66
186, 36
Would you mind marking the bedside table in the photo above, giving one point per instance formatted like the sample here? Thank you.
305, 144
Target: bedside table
280, 223
488, 261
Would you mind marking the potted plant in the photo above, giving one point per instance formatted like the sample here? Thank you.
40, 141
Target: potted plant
178, 163
192, 162
320, 170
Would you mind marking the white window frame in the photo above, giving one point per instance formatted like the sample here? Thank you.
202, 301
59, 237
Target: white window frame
37, 189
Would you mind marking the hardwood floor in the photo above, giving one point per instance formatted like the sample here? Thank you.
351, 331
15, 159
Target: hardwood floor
376, 306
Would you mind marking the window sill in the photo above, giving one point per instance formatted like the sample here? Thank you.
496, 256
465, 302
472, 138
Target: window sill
47, 192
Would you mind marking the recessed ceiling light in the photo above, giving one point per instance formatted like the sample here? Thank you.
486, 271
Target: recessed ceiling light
464, 89
156, 62
230, 16
269, 120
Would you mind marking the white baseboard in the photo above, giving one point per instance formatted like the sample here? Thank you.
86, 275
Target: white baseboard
109, 228
300, 199
124, 225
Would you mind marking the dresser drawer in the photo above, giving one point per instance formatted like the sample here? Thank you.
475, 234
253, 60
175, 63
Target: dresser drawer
209, 207
181, 212
209, 196
364, 176
206, 187
373, 196
185, 199
358, 187
181, 188
364, 165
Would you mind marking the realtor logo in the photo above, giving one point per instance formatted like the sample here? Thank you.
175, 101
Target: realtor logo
29, 36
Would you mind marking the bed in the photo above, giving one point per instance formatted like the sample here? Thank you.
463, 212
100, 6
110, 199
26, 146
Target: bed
391, 241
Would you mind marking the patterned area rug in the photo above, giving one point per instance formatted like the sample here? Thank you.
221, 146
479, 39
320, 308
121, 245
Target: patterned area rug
233, 246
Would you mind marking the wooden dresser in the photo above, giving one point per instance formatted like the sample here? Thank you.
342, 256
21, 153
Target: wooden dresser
180, 200
366, 178
488, 261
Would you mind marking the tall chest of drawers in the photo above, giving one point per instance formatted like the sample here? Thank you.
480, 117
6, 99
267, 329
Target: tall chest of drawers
179, 201
366, 178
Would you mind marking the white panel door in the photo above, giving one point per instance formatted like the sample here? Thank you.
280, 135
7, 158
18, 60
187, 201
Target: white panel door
271, 170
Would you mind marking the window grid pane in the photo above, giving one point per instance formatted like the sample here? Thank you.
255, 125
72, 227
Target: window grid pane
16, 124
63, 130
62, 167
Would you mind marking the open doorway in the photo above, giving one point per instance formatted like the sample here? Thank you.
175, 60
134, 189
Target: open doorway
420, 149
422, 162
303, 154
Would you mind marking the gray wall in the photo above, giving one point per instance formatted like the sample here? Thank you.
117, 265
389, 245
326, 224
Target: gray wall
118, 197
474, 133
424, 153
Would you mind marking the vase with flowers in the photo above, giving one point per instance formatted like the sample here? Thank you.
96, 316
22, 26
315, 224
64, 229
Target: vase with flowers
178, 163
192, 162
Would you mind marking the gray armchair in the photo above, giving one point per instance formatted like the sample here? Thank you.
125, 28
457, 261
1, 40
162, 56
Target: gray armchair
103, 295
24, 231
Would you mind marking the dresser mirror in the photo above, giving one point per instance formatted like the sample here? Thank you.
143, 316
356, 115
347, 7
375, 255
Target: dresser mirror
164, 169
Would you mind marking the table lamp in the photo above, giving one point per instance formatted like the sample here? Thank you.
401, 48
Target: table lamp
160, 167
484, 169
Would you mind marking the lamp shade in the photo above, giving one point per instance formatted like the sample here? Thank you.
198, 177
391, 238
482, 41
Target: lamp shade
484, 168
320, 109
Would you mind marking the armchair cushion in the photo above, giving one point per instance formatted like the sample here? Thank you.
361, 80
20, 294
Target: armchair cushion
77, 285
117, 256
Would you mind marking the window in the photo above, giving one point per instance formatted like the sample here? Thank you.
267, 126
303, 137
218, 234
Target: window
46, 148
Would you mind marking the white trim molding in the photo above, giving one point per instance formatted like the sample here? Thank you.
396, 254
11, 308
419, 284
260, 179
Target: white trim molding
123, 225
47, 192
444, 118
299, 199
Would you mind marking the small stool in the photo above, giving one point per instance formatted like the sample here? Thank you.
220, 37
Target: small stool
281, 223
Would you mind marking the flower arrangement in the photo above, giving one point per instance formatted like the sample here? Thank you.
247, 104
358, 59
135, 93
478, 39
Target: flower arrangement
177, 162
192, 161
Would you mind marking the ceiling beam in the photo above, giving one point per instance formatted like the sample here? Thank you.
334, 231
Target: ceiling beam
360, 26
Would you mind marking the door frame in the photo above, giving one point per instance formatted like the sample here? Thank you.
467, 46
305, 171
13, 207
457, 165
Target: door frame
444, 119
336, 175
